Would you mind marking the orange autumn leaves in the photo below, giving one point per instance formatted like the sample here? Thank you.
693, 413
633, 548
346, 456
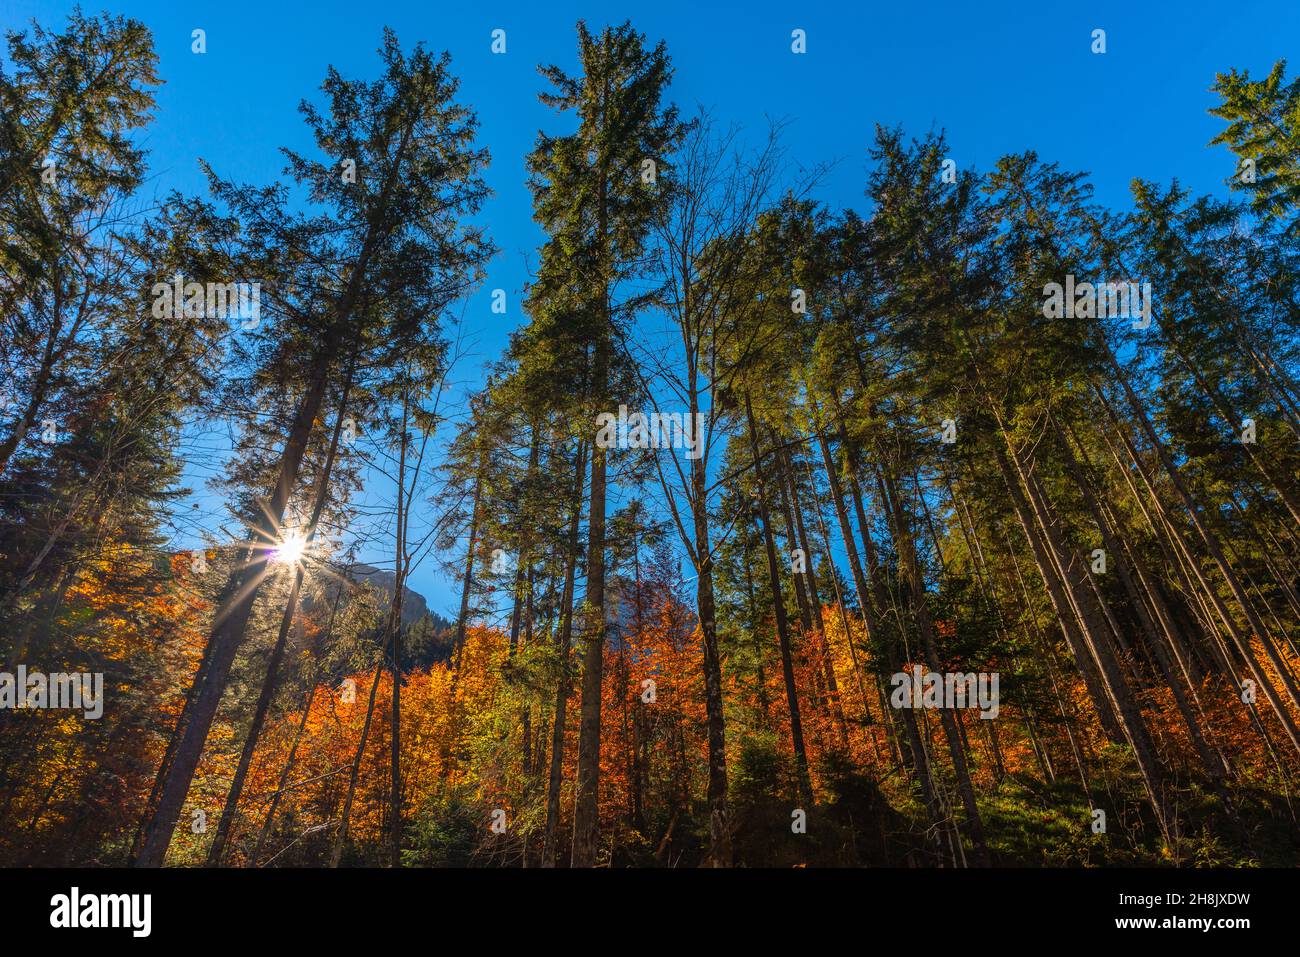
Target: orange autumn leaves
463, 733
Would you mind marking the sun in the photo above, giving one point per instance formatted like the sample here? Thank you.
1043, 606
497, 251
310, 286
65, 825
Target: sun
290, 549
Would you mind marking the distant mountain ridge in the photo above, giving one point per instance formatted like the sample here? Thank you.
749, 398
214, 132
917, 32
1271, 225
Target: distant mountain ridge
414, 605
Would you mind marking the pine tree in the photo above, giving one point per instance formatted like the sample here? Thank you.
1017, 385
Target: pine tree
364, 279
591, 198
1264, 132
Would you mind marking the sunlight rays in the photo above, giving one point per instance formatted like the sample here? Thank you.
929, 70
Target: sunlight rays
290, 549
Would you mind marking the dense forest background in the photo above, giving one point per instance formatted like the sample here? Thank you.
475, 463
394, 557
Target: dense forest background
905, 459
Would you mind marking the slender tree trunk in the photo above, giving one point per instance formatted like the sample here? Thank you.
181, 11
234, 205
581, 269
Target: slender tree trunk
1065, 614
1229, 576
586, 810
234, 609
274, 805
720, 850
852, 550
906, 548
267, 694
1214, 766
565, 633
401, 566
269, 683
821, 647
778, 612
345, 818
173, 741
521, 591
1115, 685
451, 745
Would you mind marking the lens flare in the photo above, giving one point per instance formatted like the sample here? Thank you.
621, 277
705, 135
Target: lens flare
290, 549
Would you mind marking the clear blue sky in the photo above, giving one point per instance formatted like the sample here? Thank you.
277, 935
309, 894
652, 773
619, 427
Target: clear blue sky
1016, 77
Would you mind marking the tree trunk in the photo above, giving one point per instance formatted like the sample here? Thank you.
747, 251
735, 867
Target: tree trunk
265, 831
269, 683
564, 635
586, 810
778, 612
906, 548
234, 608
